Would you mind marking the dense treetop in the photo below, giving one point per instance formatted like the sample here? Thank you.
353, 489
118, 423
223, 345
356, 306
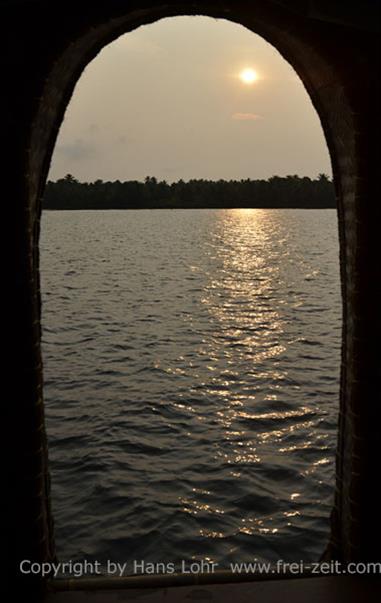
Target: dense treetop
276, 192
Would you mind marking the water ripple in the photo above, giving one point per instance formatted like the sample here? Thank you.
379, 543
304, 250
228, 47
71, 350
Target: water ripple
191, 363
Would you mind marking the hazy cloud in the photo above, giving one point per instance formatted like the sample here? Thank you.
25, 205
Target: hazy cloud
93, 128
76, 151
246, 116
122, 140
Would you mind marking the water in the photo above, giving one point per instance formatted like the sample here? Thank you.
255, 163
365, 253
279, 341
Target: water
191, 362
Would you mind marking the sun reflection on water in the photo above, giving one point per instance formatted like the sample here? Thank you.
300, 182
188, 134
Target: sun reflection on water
249, 339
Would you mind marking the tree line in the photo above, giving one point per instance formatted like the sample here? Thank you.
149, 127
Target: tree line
276, 192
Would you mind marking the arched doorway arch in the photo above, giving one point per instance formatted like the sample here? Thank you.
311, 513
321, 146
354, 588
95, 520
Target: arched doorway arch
311, 47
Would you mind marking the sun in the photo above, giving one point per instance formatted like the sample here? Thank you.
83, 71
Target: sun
248, 76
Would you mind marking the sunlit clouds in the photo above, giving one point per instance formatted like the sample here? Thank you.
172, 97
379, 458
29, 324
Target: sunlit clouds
246, 116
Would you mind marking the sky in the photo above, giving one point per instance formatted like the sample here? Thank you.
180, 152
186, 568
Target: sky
166, 100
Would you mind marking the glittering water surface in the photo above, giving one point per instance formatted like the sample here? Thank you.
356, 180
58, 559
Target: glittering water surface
191, 363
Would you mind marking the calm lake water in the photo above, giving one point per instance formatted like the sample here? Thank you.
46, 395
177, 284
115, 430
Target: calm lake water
191, 362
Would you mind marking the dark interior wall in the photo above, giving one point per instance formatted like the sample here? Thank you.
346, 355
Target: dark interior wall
44, 47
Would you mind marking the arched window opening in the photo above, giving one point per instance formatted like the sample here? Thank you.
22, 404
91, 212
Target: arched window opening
191, 355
